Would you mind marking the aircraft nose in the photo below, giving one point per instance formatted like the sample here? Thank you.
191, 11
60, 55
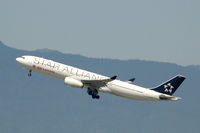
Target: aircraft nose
19, 60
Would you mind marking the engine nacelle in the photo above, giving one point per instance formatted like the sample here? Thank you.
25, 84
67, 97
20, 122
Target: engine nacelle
73, 82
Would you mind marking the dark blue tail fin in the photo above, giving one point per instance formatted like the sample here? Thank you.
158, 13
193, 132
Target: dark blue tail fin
170, 86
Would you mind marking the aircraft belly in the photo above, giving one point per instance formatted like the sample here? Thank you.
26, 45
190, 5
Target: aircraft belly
131, 93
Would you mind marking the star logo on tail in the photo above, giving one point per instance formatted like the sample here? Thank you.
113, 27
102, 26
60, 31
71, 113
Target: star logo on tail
168, 88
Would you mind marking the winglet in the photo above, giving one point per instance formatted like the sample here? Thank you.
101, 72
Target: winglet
113, 78
131, 80
110, 79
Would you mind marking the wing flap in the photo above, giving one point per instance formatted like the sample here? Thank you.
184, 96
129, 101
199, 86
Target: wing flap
98, 83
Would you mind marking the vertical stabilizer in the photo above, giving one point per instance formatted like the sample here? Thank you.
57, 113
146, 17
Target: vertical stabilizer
170, 86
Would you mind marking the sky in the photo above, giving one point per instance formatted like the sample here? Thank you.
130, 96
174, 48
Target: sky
156, 30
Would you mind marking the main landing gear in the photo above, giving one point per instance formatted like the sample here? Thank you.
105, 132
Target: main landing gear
93, 93
29, 73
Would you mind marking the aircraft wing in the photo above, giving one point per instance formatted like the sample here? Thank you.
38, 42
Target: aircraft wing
97, 83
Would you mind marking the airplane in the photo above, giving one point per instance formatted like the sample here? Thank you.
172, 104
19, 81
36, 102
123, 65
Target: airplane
95, 83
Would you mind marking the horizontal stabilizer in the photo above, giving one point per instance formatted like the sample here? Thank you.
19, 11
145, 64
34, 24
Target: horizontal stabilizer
167, 97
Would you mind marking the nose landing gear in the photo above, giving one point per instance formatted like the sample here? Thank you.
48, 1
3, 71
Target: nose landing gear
29, 73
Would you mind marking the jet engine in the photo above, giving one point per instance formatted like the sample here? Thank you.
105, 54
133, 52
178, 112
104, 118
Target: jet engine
73, 82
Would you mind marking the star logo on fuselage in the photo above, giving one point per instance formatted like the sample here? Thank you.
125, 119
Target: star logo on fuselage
168, 88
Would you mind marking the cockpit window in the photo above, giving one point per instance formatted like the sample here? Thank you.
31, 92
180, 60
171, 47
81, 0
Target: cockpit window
22, 57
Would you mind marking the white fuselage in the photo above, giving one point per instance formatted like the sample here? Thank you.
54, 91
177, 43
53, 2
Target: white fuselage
61, 71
